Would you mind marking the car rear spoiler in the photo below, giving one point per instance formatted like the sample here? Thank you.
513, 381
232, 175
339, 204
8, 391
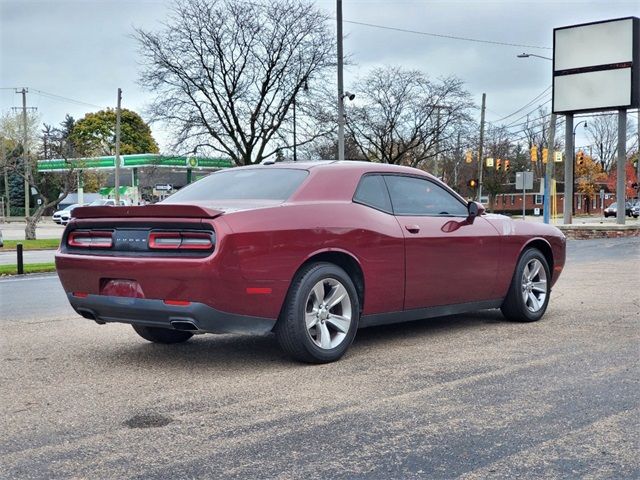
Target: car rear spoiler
157, 210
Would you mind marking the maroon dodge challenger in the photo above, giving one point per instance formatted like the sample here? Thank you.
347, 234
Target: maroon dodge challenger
310, 251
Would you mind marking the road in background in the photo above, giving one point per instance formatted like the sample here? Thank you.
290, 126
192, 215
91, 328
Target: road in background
29, 256
45, 229
470, 396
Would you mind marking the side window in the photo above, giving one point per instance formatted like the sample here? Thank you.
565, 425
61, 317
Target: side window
372, 192
416, 196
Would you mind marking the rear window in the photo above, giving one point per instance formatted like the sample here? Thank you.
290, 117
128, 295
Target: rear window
244, 184
372, 192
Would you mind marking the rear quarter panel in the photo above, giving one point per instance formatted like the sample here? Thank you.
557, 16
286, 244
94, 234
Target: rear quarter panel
271, 245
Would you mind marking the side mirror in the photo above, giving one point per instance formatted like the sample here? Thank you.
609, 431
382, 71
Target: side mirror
475, 209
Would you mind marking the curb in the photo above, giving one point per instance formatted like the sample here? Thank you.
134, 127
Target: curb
586, 232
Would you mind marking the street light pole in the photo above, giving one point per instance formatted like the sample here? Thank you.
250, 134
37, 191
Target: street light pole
117, 156
568, 170
548, 174
295, 155
340, 83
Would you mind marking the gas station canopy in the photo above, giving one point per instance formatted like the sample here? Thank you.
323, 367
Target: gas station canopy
134, 161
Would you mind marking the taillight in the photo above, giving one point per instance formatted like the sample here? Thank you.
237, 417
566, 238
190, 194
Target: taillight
180, 240
90, 239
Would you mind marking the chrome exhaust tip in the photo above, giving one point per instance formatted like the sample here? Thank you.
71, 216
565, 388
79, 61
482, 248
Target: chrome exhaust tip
184, 325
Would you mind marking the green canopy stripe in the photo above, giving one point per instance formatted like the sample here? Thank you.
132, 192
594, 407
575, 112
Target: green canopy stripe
130, 161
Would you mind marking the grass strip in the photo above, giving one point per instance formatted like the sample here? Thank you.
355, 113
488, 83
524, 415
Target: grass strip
39, 244
28, 268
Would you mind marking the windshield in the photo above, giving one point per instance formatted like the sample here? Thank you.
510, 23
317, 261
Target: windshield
70, 207
243, 184
97, 203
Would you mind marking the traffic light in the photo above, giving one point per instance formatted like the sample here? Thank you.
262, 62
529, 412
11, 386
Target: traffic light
507, 165
468, 157
545, 155
534, 154
580, 157
473, 183
498, 164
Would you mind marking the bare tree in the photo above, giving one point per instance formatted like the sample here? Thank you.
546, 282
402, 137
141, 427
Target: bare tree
37, 181
499, 146
536, 134
57, 146
226, 73
602, 132
402, 117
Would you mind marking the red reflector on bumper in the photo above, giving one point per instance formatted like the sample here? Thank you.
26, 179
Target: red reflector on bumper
80, 294
258, 291
179, 303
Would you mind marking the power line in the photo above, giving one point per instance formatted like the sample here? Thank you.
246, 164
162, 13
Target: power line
526, 115
451, 37
527, 121
429, 34
525, 106
60, 98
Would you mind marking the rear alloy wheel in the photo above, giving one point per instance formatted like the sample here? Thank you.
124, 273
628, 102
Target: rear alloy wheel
162, 335
528, 294
321, 314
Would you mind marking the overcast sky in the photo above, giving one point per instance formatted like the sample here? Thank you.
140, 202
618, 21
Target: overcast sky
82, 49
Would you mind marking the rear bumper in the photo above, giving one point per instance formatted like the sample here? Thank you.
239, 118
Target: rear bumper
155, 313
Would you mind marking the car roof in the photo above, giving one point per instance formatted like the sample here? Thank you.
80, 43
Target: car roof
346, 165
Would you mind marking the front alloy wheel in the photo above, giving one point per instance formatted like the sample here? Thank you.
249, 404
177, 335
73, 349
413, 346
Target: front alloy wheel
534, 285
528, 294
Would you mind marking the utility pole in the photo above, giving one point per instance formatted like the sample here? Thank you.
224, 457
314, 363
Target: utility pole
621, 180
548, 175
117, 159
480, 163
438, 142
6, 176
340, 84
25, 156
456, 162
638, 154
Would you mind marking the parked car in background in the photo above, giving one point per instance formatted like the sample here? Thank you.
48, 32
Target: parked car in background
62, 217
635, 209
66, 216
109, 202
612, 210
311, 251
57, 217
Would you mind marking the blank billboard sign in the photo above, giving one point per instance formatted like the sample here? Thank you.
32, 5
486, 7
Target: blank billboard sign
596, 66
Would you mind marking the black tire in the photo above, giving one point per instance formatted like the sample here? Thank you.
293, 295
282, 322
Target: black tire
514, 307
291, 330
162, 335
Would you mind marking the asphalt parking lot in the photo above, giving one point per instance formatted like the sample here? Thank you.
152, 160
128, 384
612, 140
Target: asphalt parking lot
470, 396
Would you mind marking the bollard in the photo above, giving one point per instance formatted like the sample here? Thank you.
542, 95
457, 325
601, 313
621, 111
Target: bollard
20, 259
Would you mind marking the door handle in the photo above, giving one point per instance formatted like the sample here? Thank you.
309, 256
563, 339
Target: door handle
412, 228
